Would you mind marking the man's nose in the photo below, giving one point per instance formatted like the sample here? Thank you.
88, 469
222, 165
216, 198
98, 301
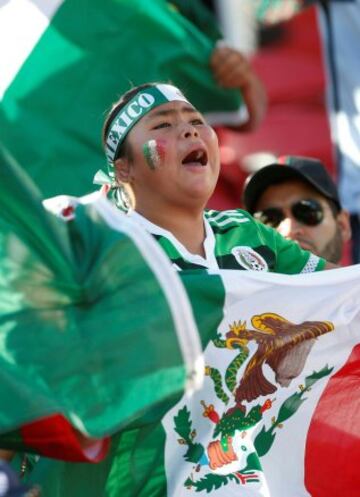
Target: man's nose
189, 131
290, 227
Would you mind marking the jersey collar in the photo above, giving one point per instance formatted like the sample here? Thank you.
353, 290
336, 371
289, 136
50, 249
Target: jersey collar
209, 261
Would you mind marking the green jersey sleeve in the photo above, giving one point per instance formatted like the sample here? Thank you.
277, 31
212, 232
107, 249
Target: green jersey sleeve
290, 257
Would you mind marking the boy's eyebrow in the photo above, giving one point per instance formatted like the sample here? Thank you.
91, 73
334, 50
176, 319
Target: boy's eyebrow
168, 112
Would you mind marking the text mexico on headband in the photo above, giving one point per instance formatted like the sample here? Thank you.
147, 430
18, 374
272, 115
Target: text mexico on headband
142, 103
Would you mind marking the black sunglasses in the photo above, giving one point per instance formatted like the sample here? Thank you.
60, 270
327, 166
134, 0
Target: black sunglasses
309, 212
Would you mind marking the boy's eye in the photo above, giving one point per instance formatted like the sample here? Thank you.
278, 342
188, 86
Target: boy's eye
197, 121
162, 125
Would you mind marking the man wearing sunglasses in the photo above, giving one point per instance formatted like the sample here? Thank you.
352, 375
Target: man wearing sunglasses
298, 198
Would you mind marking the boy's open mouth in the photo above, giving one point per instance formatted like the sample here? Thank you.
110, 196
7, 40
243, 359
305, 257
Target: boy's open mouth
197, 156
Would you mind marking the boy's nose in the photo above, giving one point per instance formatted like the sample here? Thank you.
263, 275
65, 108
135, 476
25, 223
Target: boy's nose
189, 131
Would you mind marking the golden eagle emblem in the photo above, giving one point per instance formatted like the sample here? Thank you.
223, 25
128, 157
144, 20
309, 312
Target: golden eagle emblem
283, 345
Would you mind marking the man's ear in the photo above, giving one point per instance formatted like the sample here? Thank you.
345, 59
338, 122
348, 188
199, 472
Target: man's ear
123, 170
343, 220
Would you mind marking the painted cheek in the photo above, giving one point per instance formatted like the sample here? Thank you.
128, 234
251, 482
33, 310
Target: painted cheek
154, 153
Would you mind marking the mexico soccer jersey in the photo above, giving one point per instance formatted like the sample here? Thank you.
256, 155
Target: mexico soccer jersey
234, 240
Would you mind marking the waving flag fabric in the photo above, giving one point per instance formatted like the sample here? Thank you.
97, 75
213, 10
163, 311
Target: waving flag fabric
98, 339
61, 72
278, 411
95, 327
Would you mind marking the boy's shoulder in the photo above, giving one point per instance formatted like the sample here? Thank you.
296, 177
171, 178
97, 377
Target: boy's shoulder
227, 218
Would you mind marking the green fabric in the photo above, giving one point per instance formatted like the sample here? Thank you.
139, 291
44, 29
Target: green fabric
200, 15
52, 113
135, 465
85, 328
133, 468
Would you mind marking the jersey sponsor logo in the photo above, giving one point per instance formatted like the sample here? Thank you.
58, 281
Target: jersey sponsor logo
249, 259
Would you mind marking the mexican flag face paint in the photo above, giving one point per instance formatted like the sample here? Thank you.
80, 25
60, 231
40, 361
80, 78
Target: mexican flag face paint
154, 152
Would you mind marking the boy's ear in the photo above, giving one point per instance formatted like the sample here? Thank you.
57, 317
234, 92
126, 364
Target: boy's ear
123, 169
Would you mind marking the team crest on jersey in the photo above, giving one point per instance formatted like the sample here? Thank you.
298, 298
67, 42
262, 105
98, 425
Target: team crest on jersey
249, 259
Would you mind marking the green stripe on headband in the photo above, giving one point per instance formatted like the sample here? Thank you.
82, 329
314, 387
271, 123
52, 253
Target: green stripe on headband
142, 103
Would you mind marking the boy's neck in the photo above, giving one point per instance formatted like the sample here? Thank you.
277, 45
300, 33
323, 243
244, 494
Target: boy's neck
187, 227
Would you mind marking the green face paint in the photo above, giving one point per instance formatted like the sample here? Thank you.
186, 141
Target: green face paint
154, 152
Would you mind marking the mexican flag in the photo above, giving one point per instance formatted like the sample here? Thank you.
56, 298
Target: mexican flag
98, 340
277, 415
67, 61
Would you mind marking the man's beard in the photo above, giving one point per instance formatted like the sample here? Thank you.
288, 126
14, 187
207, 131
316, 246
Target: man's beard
332, 252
